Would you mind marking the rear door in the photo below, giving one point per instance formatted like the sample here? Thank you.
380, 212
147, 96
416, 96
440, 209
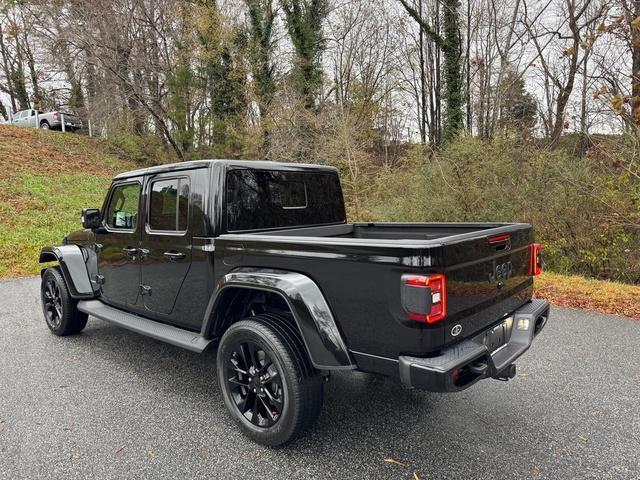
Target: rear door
166, 241
31, 119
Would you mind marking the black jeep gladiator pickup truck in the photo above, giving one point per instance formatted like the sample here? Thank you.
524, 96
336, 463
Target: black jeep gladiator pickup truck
256, 259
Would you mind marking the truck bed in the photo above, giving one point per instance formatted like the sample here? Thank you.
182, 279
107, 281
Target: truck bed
359, 266
394, 231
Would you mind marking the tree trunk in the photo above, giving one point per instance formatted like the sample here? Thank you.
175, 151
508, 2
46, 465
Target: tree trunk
423, 92
635, 66
584, 127
453, 81
468, 73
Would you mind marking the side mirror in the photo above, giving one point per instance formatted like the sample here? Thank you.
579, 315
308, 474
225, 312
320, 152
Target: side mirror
91, 218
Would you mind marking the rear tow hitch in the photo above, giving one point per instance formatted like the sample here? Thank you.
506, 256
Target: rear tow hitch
506, 373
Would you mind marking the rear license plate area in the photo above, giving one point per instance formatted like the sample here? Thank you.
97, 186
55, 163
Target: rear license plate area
496, 337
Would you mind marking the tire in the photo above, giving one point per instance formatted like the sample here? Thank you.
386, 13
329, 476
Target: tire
289, 400
44, 125
59, 309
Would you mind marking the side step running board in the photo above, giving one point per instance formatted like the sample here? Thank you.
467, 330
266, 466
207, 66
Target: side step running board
166, 333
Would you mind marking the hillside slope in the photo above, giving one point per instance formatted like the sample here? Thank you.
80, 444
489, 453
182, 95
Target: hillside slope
46, 178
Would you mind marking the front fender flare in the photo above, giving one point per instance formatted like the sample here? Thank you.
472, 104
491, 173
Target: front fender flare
73, 268
312, 314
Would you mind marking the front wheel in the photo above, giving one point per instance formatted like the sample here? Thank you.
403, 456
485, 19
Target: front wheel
267, 381
60, 311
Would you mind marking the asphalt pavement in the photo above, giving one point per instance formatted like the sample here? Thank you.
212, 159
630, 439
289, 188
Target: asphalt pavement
109, 403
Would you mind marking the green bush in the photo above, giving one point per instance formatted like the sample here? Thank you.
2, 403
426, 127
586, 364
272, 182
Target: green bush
144, 150
584, 209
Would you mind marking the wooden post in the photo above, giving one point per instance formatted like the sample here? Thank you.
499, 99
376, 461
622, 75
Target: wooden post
62, 120
37, 119
90, 131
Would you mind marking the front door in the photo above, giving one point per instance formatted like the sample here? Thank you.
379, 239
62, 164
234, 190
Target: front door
118, 244
166, 241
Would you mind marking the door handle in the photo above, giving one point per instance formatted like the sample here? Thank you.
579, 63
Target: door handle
130, 251
174, 256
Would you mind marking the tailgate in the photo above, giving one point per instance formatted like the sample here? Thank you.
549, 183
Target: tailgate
71, 118
487, 278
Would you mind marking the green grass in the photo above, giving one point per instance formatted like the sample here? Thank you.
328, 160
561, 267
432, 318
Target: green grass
47, 178
49, 209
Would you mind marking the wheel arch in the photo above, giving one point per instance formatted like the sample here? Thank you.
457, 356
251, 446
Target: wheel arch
287, 291
71, 263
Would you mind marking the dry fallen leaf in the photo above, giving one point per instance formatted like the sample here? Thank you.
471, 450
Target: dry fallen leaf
204, 452
395, 462
120, 450
535, 471
523, 375
75, 455
152, 453
415, 476
583, 438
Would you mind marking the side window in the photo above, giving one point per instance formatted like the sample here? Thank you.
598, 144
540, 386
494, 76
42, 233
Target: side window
169, 205
33, 113
122, 212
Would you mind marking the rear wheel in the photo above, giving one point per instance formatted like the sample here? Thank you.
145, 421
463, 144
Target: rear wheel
44, 125
60, 311
268, 383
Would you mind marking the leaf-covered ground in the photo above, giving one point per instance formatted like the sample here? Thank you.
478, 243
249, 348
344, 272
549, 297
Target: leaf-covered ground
589, 294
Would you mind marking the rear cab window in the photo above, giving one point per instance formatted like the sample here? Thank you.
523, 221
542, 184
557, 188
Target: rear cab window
271, 199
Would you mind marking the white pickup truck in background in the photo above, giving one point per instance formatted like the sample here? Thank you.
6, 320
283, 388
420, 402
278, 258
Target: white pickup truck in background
47, 120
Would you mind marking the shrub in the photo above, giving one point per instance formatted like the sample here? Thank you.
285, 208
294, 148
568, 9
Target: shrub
584, 212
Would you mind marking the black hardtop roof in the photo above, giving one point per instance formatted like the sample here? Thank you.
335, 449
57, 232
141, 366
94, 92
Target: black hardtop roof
256, 164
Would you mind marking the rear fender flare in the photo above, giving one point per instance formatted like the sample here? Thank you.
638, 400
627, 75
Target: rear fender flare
73, 268
323, 341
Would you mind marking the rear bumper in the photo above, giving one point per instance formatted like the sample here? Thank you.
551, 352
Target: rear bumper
461, 365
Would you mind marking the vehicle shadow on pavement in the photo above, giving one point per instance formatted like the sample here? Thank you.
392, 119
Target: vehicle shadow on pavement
365, 417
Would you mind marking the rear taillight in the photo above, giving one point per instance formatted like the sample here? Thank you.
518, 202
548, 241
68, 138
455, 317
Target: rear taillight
424, 297
535, 259
56, 116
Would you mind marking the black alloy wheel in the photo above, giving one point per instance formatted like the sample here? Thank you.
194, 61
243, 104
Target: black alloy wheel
59, 308
52, 303
255, 384
267, 380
